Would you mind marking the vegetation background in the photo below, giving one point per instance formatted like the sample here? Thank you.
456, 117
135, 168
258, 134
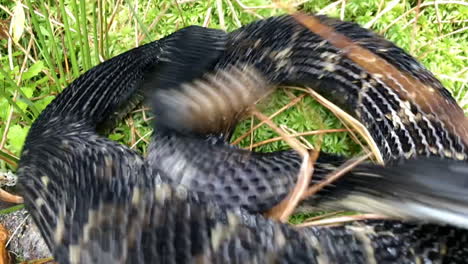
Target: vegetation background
46, 44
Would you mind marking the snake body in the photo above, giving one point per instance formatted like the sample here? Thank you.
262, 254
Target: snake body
96, 201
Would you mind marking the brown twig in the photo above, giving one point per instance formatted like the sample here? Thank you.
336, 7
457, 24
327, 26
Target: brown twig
342, 170
285, 208
130, 122
10, 198
112, 17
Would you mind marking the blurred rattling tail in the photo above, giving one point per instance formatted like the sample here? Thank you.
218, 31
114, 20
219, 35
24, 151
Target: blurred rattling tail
212, 104
429, 189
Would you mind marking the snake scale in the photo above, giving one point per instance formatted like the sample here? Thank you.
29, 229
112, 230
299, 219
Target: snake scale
196, 199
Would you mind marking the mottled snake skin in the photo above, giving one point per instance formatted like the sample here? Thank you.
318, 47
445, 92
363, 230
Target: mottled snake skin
280, 41
96, 201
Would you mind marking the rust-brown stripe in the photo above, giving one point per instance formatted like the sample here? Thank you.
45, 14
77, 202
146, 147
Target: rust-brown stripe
404, 84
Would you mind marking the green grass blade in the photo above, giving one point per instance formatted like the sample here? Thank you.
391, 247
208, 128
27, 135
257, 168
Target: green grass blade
11, 209
16, 106
69, 42
81, 38
42, 43
95, 34
106, 34
24, 98
101, 12
84, 24
53, 44
141, 25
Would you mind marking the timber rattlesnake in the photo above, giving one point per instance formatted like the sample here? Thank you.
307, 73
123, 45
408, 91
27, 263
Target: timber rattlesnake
96, 201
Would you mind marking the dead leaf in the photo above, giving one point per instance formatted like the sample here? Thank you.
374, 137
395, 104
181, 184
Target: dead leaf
4, 234
17, 22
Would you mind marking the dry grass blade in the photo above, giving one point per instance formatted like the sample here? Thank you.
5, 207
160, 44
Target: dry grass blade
15, 95
156, 20
408, 87
141, 138
308, 133
353, 126
415, 26
329, 7
252, 133
387, 9
253, 7
207, 19
234, 14
322, 216
340, 220
435, 40
435, 3
294, 143
305, 142
219, 8
348, 120
282, 109
342, 170
17, 229
7, 160
9, 157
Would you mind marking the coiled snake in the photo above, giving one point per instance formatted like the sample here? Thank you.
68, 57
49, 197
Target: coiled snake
195, 198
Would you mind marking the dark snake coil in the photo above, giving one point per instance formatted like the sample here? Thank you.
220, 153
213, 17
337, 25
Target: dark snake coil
194, 199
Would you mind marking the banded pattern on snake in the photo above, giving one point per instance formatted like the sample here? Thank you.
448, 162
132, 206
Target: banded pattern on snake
96, 201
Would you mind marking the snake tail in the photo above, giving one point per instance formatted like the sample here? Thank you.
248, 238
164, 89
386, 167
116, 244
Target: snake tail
412, 189
213, 104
